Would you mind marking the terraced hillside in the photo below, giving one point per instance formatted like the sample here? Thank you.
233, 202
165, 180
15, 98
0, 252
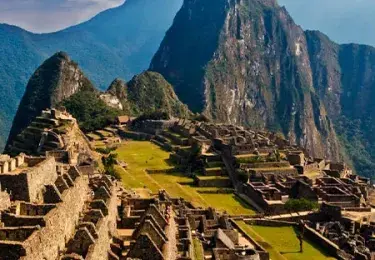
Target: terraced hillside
145, 157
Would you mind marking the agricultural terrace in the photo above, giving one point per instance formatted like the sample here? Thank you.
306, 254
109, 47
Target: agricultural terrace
142, 157
282, 243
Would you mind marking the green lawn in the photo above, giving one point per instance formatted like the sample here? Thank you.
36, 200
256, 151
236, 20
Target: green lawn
141, 156
282, 243
198, 249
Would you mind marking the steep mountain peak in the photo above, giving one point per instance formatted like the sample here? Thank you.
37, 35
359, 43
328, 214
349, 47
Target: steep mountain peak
246, 62
61, 55
118, 88
55, 80
149, 92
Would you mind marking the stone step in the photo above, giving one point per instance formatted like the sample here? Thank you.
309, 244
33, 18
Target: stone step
217, 171
33, 130
50, 121
28, 146
213, 181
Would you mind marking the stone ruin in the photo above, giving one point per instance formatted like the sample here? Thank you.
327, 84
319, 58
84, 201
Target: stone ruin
53, 211
262, 166
350, 233
169, 228
49, 208
55, 132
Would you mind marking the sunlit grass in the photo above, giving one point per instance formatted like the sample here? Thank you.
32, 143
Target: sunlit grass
282, 243
142, 156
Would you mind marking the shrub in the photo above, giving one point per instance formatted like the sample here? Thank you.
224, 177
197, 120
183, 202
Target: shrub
91, 112
106, 150
297, 205
109, 163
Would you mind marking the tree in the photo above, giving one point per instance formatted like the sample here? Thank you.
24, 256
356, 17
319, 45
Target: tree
298, 205
109, 163
110, 160
91, 112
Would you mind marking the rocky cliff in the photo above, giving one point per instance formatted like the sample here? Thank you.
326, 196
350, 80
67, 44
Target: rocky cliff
246, 62
344, 79
55, 80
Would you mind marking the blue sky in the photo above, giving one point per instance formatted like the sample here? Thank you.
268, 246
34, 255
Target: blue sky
51, 15
342, 20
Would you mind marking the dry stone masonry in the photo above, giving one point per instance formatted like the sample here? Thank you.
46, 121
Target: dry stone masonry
49, 208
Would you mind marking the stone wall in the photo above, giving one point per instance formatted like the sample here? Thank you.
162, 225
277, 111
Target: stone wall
42, 174
60, 224
29, 184
106, 229
134, 135
4, 200
263, 254
270, 223
331, 248
153, 126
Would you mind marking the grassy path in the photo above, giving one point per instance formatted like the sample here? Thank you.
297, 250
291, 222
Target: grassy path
282, 243
142, 156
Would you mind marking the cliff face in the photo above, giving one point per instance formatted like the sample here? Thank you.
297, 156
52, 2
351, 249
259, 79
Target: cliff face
55, 80
247, 63
344, 80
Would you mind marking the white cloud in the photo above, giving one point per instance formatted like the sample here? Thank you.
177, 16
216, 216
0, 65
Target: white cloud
51, 15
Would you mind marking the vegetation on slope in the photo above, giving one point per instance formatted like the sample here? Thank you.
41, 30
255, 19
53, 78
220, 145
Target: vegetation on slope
90, 111
55, 80
118, 42
149, 92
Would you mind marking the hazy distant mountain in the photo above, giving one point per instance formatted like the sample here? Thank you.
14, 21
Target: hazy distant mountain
119, 42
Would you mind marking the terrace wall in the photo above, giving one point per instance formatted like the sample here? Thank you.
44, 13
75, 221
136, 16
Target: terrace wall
4, 200
330, 247
60, 226
106, 229
263, 254
29, 185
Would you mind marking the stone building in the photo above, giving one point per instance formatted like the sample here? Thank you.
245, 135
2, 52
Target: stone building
49, 209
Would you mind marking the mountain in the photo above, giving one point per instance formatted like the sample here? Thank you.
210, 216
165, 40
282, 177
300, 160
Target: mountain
118, 42
247, 62
250, 66
344, 78
149, 92
55, 80
59, 82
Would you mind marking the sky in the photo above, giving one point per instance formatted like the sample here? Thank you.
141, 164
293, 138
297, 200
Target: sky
343, 21
51, 15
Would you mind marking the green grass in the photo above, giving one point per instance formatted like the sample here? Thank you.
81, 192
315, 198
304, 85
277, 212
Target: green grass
198, 249
208, 178
217, 164
142, 156
105, 133
282, 243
